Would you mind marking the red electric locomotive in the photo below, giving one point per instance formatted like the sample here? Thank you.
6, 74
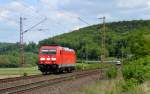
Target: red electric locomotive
56, 59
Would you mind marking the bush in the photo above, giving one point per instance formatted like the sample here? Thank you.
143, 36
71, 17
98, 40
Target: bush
130, 84
138, 70
12, 61
31, 59
25, 74
132, 71
111, 72
8, 61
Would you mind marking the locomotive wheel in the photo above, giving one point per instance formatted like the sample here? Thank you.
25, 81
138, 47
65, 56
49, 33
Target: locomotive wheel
69, 70
44, 73
61, 70
56, 71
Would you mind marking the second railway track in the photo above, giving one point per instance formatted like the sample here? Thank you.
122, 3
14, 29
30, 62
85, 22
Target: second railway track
6, 80
19, 89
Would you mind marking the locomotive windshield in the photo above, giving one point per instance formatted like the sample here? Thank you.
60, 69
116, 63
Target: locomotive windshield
48, 51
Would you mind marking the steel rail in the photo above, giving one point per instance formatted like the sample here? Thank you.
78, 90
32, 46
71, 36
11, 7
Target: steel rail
31, 86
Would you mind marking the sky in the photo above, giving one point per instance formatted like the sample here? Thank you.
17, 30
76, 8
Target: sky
62, 16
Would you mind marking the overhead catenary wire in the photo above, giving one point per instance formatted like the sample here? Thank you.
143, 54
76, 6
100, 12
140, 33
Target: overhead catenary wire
86, 46
34, 25
22, 38
42, 15
83, 20
59, 24
29, 7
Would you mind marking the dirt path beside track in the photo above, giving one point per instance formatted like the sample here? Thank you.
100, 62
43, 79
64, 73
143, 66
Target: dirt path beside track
66, 87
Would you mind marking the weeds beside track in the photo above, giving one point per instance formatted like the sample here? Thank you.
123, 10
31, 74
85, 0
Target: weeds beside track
35, 85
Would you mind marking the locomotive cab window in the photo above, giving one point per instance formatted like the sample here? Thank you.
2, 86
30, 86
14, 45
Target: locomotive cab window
48, 51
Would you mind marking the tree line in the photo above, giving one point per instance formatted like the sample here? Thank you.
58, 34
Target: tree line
127, 39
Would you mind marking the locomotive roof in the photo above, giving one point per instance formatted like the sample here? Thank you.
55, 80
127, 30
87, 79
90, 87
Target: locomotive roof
65, 48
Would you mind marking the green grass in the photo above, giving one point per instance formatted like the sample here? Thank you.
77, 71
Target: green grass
100, 87
86, 66
19, 71
34, 70
114, 86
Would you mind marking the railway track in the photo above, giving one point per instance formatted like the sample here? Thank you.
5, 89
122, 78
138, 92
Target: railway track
6, 80
40, 84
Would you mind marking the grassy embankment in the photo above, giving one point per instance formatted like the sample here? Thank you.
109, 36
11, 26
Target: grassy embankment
34, 70
113, 86
18, 71
133, 78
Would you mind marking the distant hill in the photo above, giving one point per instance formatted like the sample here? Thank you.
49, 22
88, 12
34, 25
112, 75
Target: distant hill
127, 38
130, 39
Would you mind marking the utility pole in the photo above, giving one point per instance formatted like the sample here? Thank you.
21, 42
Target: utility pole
103, 52
21, 38
103, 35
21, 43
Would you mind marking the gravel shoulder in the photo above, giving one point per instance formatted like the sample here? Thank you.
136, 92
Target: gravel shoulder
28, 81
8, 76
66, 87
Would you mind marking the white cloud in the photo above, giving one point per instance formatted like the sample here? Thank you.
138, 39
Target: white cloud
3, 13
5, 16
17, 8
54, 4
54, 13
21, 8
51, 4
65, 19
11, 12
67, 16
145, 16
132, 3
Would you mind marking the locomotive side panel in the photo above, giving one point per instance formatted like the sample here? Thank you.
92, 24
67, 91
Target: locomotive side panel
68, 58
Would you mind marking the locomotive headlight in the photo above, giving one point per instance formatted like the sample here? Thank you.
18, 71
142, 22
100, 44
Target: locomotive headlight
48, 58
42, 58
53, 59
